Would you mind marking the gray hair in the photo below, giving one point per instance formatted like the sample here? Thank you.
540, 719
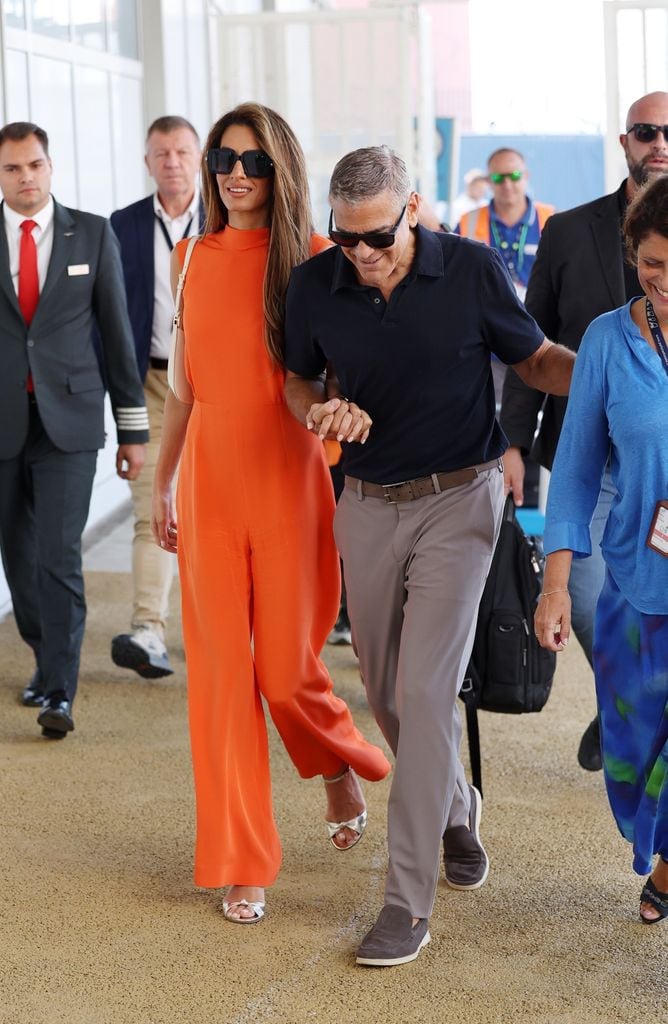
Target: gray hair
365, 173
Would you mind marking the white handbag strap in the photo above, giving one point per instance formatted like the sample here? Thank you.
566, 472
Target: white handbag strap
178, 300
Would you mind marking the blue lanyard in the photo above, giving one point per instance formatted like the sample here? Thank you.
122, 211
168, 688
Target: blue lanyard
657, 334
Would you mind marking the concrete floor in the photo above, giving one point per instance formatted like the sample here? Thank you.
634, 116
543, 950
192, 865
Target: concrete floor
100, 922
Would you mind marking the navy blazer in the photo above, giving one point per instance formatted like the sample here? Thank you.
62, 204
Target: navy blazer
578, 274
134, 226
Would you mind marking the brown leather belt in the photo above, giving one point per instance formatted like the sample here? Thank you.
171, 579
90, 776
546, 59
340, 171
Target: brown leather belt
158, 364
409, 490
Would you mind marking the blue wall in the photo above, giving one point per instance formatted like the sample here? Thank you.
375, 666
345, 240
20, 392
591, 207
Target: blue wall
565, 170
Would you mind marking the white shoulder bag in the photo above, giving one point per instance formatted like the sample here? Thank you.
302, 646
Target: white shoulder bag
176, 367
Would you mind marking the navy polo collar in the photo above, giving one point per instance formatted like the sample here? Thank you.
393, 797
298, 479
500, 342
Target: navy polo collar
428, 262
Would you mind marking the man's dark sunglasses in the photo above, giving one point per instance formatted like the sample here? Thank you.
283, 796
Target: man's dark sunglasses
374, 239
647, 132
255, 162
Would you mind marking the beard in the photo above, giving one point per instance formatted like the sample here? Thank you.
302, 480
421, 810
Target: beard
639, 172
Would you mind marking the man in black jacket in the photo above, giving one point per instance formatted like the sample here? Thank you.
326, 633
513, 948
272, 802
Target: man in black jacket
580, 272
60, 272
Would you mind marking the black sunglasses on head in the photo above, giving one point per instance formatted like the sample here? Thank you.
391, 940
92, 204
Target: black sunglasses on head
255, 162
647, 132
374, 239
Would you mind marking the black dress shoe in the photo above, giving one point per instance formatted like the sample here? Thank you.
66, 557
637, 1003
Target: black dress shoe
32, 696
53, 734
589, 751
56, 717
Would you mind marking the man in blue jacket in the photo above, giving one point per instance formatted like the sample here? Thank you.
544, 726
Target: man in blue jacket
147, 231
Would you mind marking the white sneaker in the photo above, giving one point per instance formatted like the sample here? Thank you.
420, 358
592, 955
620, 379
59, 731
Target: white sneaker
142, 651
341, 633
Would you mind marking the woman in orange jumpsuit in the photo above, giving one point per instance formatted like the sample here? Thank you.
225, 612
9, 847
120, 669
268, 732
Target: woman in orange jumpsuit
258, 566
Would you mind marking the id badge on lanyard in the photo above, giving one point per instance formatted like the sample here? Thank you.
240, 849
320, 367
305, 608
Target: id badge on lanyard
657, 538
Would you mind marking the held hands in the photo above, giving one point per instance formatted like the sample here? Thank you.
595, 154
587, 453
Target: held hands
132, 456
339, 419
163, 520
552, 621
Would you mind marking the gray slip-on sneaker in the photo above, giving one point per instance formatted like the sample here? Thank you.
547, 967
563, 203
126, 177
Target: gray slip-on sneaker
393, 939
466, 862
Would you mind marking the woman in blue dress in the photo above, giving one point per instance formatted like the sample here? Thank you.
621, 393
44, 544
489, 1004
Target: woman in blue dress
618, 411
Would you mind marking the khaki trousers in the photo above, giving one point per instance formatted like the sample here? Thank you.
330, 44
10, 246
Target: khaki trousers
152, 567
414, 576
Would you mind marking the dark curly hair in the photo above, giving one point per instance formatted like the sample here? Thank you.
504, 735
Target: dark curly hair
647, 213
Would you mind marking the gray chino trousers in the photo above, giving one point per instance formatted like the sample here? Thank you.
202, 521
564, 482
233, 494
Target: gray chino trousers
414, 573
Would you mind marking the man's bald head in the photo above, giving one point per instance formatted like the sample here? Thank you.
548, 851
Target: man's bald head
646, 156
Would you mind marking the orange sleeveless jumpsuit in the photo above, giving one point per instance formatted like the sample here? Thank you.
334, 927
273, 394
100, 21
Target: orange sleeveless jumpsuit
259, 572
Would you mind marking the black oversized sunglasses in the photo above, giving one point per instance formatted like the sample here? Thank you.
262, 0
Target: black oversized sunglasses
374, 239
255, 162
647, 132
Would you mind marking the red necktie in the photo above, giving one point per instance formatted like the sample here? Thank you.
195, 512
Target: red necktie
28, 276
28, 279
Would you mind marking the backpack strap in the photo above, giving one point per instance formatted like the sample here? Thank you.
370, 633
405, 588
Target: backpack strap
468, 694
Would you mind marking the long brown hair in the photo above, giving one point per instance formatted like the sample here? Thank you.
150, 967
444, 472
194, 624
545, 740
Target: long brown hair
290, 219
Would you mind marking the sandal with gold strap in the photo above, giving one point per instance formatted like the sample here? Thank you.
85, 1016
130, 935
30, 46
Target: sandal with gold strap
356, 825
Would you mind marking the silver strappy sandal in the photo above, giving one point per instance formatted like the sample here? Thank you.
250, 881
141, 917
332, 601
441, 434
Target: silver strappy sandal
356, 825
229, 911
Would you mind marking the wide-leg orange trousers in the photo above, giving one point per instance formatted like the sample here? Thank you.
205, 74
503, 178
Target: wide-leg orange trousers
260, 590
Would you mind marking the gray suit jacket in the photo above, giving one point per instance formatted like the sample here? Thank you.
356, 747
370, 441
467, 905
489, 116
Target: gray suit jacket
58, 350
577, 276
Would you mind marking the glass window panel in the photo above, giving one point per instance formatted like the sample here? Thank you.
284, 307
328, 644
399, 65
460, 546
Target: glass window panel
89, 23
52, 107
92, 114
656, 41
122, 28
631, 72
17, 96
127, 124
15, 13
51, 17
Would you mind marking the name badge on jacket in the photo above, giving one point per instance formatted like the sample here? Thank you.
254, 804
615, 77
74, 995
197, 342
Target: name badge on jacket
78, 269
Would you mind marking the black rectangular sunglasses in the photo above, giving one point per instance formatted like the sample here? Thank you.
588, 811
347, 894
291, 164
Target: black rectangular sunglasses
374, 239
648, 132
255, 162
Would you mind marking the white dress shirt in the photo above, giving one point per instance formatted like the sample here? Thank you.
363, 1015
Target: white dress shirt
163, 302
43, 235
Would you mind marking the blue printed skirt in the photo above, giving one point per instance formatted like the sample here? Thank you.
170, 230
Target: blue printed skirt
631, 670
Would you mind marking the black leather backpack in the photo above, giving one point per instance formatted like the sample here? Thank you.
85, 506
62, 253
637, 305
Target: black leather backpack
509, 671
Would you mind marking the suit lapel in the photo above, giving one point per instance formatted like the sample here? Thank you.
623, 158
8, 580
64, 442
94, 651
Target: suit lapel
6, 282
63, 233
605, 227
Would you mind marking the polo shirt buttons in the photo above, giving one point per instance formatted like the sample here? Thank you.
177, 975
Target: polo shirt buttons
31, 343
376, 300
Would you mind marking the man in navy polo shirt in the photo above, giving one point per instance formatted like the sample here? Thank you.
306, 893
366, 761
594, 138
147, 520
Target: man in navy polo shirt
407, 319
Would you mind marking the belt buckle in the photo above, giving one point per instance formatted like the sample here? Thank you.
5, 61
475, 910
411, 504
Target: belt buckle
390, 489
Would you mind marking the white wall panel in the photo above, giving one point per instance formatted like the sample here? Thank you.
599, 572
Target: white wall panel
52, 108
127, 131
16, 95
92, 114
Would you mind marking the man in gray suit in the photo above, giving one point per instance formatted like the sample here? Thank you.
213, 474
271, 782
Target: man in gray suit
60, 273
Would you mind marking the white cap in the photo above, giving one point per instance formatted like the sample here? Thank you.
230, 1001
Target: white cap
473, 175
